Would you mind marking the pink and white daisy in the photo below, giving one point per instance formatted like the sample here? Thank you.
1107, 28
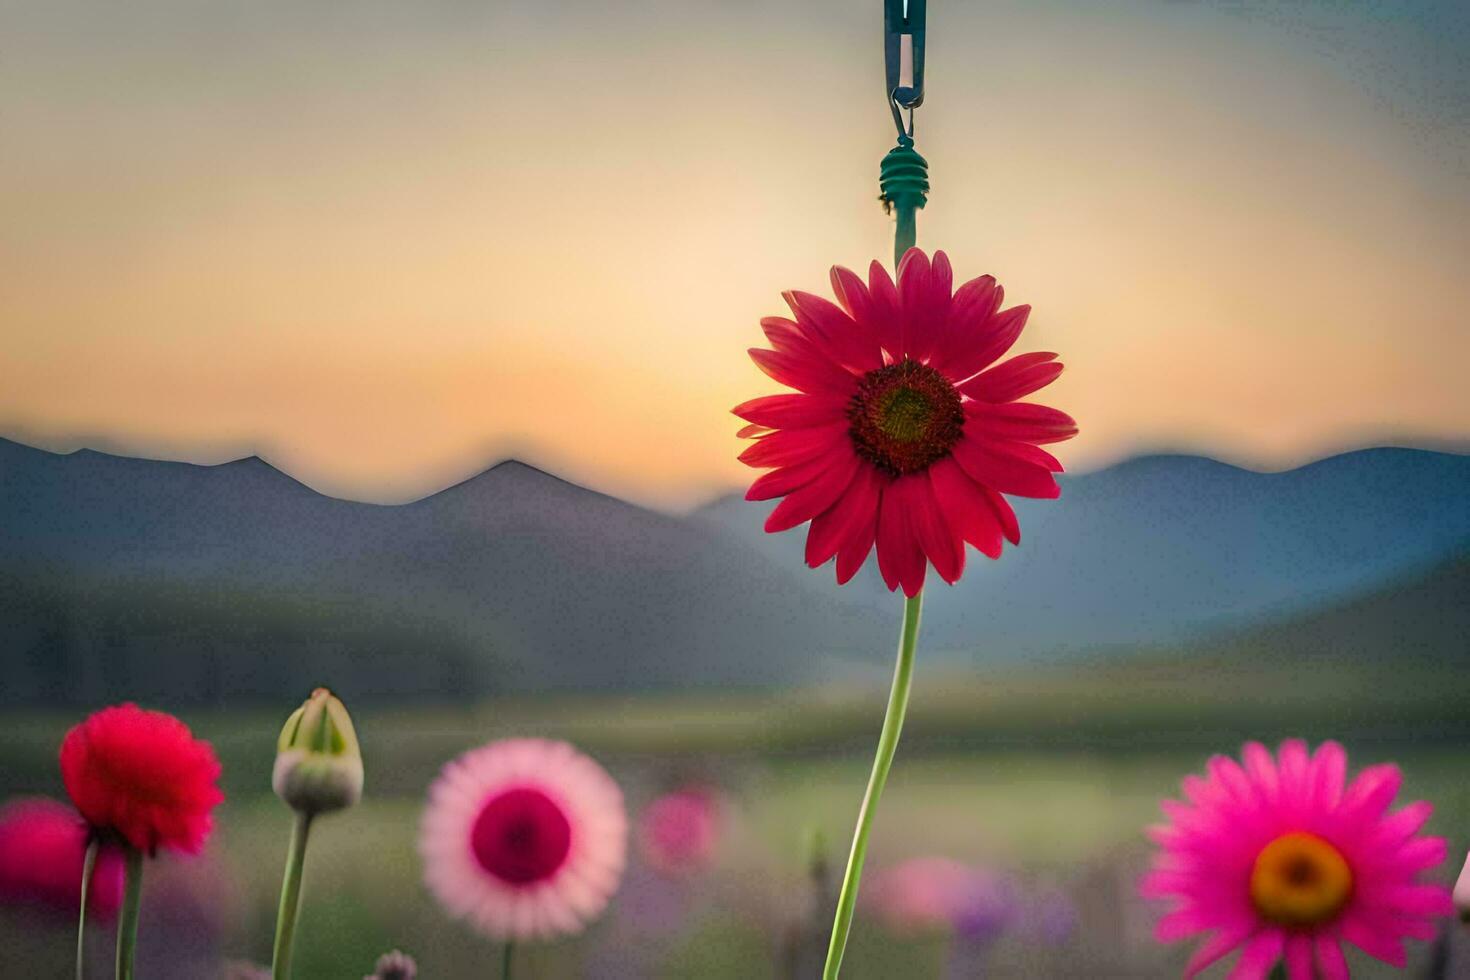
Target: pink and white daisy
524, 838
1276, 857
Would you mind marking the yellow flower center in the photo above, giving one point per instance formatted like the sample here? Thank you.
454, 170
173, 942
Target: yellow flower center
1300, 880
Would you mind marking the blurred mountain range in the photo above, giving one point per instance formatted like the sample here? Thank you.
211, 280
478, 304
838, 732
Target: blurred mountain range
178, 582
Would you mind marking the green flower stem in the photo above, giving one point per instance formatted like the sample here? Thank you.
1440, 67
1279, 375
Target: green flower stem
290, 910
89, 864
127, 920
898, 702
905, 233
505, 960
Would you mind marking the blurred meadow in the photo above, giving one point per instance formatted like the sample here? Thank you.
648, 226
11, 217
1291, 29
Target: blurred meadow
1044, 776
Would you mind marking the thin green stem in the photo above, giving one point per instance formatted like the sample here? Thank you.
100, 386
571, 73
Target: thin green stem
89, 864
505, 960
907, 231
127, 920
898, 702
290, 910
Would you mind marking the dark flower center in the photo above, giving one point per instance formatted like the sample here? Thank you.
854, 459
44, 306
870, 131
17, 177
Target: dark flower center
521, 836
904, 417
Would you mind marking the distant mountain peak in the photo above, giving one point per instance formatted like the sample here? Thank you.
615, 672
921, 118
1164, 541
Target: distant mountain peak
517, 478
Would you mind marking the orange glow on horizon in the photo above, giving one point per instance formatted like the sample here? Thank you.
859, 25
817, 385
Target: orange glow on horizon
333, 245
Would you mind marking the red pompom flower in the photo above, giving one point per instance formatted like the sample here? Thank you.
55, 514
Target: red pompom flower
142, 776
901, 433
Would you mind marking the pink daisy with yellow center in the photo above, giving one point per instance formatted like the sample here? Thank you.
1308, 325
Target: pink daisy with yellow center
1278, 858
901, 433
524, 839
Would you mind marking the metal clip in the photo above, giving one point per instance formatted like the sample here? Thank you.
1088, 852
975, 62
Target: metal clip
903, 57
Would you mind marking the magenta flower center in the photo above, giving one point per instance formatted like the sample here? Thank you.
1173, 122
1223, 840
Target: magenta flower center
905, 416
521, 836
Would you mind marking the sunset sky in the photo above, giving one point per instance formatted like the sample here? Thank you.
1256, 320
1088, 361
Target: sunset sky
384, 244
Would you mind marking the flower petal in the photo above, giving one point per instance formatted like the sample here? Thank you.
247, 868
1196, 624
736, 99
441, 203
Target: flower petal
1216, 947
913, 288
1025, 452
970, 310
924, 294
1261, 767
1016, 378
855, 548
1329, 770
1372, 792
790, 446
857, 506
792, 411
804, 373
1299, 957
802, 505
1330, 959
1009, 526
944, 548
979, 351
883, 296
900, 558
1003, 472
966, 507
852, 295
1019, 421
786, 336
834, 332
780, 482
1380, 945
1260, 954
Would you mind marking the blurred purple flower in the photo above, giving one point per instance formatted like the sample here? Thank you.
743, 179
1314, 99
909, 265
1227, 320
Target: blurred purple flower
938, 895
1051, 917
985, 908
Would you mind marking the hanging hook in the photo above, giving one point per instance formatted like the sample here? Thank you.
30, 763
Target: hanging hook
903, 58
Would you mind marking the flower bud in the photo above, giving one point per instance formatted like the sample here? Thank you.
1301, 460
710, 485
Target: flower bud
318, 761
396, 965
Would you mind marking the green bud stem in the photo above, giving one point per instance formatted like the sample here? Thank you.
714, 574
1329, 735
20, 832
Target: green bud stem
898, 701
127, 920
505, 960
290, 910
89, 865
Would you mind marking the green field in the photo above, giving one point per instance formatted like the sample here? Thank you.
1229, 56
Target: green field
1049, 775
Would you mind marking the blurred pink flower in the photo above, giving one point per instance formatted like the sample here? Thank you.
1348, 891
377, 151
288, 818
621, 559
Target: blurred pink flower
938, 895
1277, 857
679, 831
42, 845
524, 838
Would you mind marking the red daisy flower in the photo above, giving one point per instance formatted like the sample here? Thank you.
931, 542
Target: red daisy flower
143, 776
901, 434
